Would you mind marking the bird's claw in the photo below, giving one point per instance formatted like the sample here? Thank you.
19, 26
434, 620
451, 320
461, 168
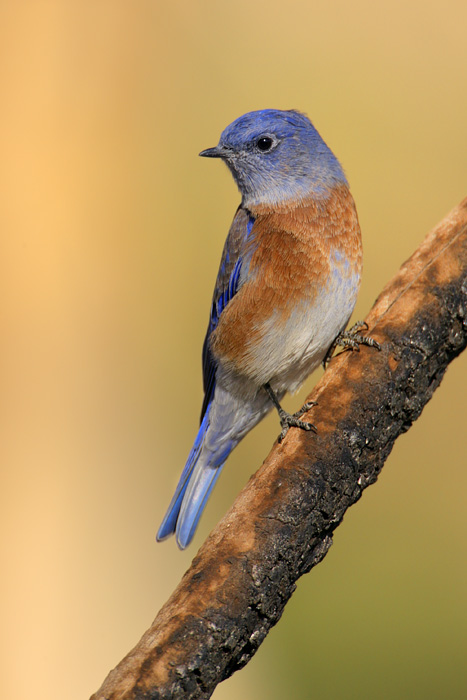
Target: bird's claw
304, 409
351, 340
289, 420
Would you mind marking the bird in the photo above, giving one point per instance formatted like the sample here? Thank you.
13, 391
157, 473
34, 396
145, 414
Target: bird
286, 287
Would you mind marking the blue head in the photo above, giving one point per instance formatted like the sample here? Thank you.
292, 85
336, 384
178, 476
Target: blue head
275, 156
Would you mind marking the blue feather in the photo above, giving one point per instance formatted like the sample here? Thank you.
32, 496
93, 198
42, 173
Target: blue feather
188, 520
203, 467
222, 296
169, 523
193, 489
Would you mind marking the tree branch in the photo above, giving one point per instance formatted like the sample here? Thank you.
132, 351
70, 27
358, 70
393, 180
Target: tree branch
282, 522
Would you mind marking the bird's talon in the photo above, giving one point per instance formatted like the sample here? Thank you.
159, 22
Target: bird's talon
352, 339
292, 421
304, 409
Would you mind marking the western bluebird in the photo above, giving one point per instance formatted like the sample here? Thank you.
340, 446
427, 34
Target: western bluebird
286, 287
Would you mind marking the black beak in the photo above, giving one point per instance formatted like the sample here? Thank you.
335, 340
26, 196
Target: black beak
215, 152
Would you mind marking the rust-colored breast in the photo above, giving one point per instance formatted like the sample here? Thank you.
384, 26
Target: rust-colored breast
294, 250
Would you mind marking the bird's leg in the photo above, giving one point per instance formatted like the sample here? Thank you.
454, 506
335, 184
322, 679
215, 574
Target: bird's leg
351, 339
289, 420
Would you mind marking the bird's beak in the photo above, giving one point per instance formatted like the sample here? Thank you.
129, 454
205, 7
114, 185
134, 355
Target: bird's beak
215, 152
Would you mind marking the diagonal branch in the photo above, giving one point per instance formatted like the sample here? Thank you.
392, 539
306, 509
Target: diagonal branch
282, 522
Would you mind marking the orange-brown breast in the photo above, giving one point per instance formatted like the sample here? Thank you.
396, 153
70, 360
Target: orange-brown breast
294, 251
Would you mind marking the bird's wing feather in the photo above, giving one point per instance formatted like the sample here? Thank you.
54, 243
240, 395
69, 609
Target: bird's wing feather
227, 285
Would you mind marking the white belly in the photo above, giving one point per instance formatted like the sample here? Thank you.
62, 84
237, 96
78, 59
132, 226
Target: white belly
294, 352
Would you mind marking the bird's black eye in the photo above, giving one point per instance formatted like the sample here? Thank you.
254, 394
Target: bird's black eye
265, 143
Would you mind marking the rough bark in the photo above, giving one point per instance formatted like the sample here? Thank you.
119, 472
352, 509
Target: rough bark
281, 524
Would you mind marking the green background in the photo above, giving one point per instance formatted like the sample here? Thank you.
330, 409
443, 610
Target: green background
111, 233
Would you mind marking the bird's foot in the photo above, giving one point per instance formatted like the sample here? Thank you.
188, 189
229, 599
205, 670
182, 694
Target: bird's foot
292, 420
351, 340
289, 420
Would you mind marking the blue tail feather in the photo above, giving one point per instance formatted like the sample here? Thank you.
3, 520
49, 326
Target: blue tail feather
201, 472
204, 478
169, 523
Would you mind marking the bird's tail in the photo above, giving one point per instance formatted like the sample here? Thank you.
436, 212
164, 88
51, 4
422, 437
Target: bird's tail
196, 483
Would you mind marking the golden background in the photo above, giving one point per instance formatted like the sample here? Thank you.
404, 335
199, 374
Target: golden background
111, 233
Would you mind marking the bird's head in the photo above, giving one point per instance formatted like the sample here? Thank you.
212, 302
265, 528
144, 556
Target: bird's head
277, 156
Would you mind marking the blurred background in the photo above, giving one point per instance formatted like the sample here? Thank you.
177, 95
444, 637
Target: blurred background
111, 234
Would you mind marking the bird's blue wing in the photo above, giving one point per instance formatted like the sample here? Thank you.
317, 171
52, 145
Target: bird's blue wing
199, 475
202, 468
227, 285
